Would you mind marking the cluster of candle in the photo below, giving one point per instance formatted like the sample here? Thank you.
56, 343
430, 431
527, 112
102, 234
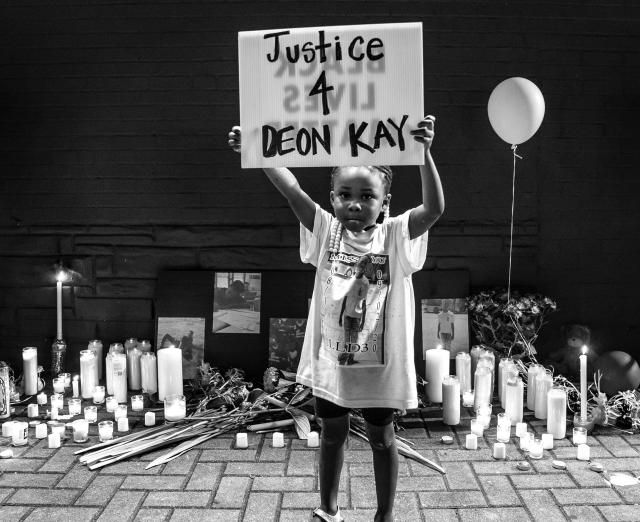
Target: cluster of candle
277, 441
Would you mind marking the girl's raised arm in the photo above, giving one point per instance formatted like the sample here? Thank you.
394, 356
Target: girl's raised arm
283, 179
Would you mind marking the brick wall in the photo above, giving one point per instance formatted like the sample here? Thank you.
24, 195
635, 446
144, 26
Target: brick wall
114, 156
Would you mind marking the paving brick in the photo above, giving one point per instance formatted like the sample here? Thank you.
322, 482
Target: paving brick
99, 491
227, 442
583, 476
303, 515
61, 461
630, 494
181, 465
483, 453
261, 507
625, 464
405, 507
77, 477
497, 467
357, 469
255, 468
431, 483
177, 499
583, 513
47, 514
54, 497
444, 499
586, 496
130, 467
206, 515
417, 469
542, 481
295, 500
283, 484
231, 492
205, 476
267, 453
155, 483
541, 505
232, 455
16, 464
618, 446
122, 506
503, 514
440, 515
620, 513
302, 463
499, 491
570, 452
12, 513
460, 476
152, 515
34, 480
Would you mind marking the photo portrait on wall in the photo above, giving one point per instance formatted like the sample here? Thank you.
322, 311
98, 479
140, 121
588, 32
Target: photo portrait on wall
236, 302
285, 343
445, 322
186, 333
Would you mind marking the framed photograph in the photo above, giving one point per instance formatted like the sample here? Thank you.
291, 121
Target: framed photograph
285, 343
236, 302
186, 333
445, 322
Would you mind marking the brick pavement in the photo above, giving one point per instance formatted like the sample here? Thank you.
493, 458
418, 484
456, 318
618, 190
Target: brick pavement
216, 482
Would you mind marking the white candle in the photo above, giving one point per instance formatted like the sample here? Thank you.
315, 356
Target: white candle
514, 399
80, 430
521, 428
502, 380
477, 427
53, 440
59, 384
88, 372
98, 395
525, 440
41, 431
583, 382
58, 427
67, 379
544, 382
547, 441
133, 367
137, 403
32, 411
149, 372
108, 370
150, 419
169, 372
471, 441
91, 413
54, 413
436, 361
463, 371
451, 400
532, 371
7, 428
278, 440
105, 430
499, 450
503, 432
579, 435
535, 448
57, 401
96, 347
75, 406
174, 407
482, 387
20, 433
583, 452
488, 359
75, 386
313, 440
123, 424
467, 399
59, 305
120, 411
119, 376
30, 370
557, 412
42, 398
476, 352
112, 404
241, 441
144, 346
483, 414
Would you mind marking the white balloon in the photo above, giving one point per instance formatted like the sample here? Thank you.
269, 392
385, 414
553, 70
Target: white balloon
516, 109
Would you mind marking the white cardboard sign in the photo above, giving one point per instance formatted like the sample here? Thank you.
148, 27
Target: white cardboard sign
331, 96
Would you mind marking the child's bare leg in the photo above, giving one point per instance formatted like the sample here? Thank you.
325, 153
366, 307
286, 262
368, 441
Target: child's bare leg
385, 467
333, 436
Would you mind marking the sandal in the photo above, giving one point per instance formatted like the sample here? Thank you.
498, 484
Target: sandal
323, 515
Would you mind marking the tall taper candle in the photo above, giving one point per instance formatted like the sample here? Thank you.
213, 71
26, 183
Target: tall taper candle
463, 371
170, 372
96, 347
436, 363
533, 370
544, 382
475, 353
30, 370
59, 306
451, 400
88, 372
119, 378
514, 397
482, 386
583, 382
557, 412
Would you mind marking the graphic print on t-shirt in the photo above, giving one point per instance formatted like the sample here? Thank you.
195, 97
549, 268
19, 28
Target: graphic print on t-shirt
352, 309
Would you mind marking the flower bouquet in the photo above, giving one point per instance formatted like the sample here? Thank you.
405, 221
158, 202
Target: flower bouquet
511, 325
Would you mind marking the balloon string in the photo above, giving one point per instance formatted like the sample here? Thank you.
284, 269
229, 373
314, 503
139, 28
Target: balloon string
513, 199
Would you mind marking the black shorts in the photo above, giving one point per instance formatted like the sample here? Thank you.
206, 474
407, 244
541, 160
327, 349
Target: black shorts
376, 416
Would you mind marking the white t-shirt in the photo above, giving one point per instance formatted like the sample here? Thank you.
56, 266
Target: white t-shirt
382, 372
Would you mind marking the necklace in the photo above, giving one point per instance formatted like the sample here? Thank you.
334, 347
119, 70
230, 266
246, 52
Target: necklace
335, 237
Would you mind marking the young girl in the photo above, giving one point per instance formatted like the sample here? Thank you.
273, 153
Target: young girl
384, 378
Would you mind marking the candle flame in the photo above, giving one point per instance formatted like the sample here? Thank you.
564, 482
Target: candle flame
76, 377
439, 346
585, 349
61, 276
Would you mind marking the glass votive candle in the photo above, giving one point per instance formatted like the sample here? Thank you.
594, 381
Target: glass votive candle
499, 450
467, 399
483, 413
175, 407
584, 453
137, 403
477, 427
521, 428
503, 432
579, 435
57, 400
58, 427
112, 404
41, 431
471, 441
91, 413
58, 384
525, 440
33, 411
67, 379
98, 395
105, 430
547, 441
535, 448
80, 430
120, 412
53, 440
123, 424
75, 406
